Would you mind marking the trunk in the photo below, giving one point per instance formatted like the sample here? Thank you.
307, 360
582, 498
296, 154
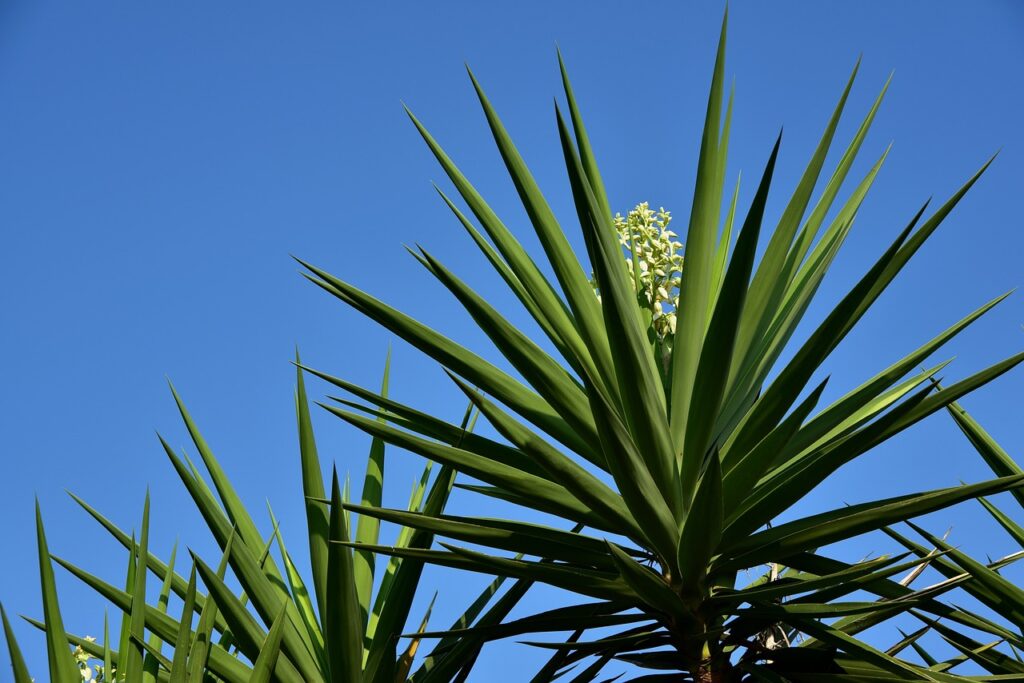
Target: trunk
714, 672
701, 655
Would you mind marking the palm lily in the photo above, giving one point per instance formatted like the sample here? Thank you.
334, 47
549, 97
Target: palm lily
676, 452
666, 446
336, 629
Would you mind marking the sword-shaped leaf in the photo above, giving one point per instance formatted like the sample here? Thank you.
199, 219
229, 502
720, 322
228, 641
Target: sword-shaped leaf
543, 373
265, 664
574, 283
18, 667
830, 527
179, 662
695, 289
58, 656
368, 528
584, 486
702, 528
991, 452
381, 664
555, 498
716, 354
312, 487
343, 634
134, 653
639, 381
469, 365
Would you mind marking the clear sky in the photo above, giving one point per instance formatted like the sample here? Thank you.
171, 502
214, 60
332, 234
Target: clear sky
159, 163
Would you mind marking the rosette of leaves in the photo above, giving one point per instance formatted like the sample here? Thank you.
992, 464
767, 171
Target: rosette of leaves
342, 627
676, 470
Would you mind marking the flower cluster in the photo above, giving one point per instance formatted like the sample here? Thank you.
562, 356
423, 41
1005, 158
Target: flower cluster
90, 674
655, 260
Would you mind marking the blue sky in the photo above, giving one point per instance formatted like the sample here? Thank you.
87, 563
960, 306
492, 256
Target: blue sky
159, 164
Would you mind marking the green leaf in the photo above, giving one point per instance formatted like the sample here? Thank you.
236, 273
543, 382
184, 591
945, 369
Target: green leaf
533, 281
585, 308
639, 381
891, 590
381, 660
107, 656
260, 582
62, 665
178, 583
87, 645
404, 536
594, 614
179, 663
743, 473
404, 664
513, 282
756, 365
413, 420
154, 658
133, 655
18, 668
652, 589
985, 655
782, 392
233, 506
722, 254
452, 653
868, 653
821, 529
637, 444
553, 498
1009, 598
163, 597
342, 621
696, 285
771, 279
585, 487
246, 632
783, 490
1012, 528
203, 651
266, 662
300, 595
367, 528
600, 585
785, 587
583, 141
716, 355
313, 488
702, 528
991, 452
517, 537
451, 355
544, 374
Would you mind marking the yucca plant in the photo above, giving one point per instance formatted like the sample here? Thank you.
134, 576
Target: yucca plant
677, 446
343, 630
664, 433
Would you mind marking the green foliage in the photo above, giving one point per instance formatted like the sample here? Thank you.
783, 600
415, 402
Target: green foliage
982, 581
665, 435
271, 631
678, 446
